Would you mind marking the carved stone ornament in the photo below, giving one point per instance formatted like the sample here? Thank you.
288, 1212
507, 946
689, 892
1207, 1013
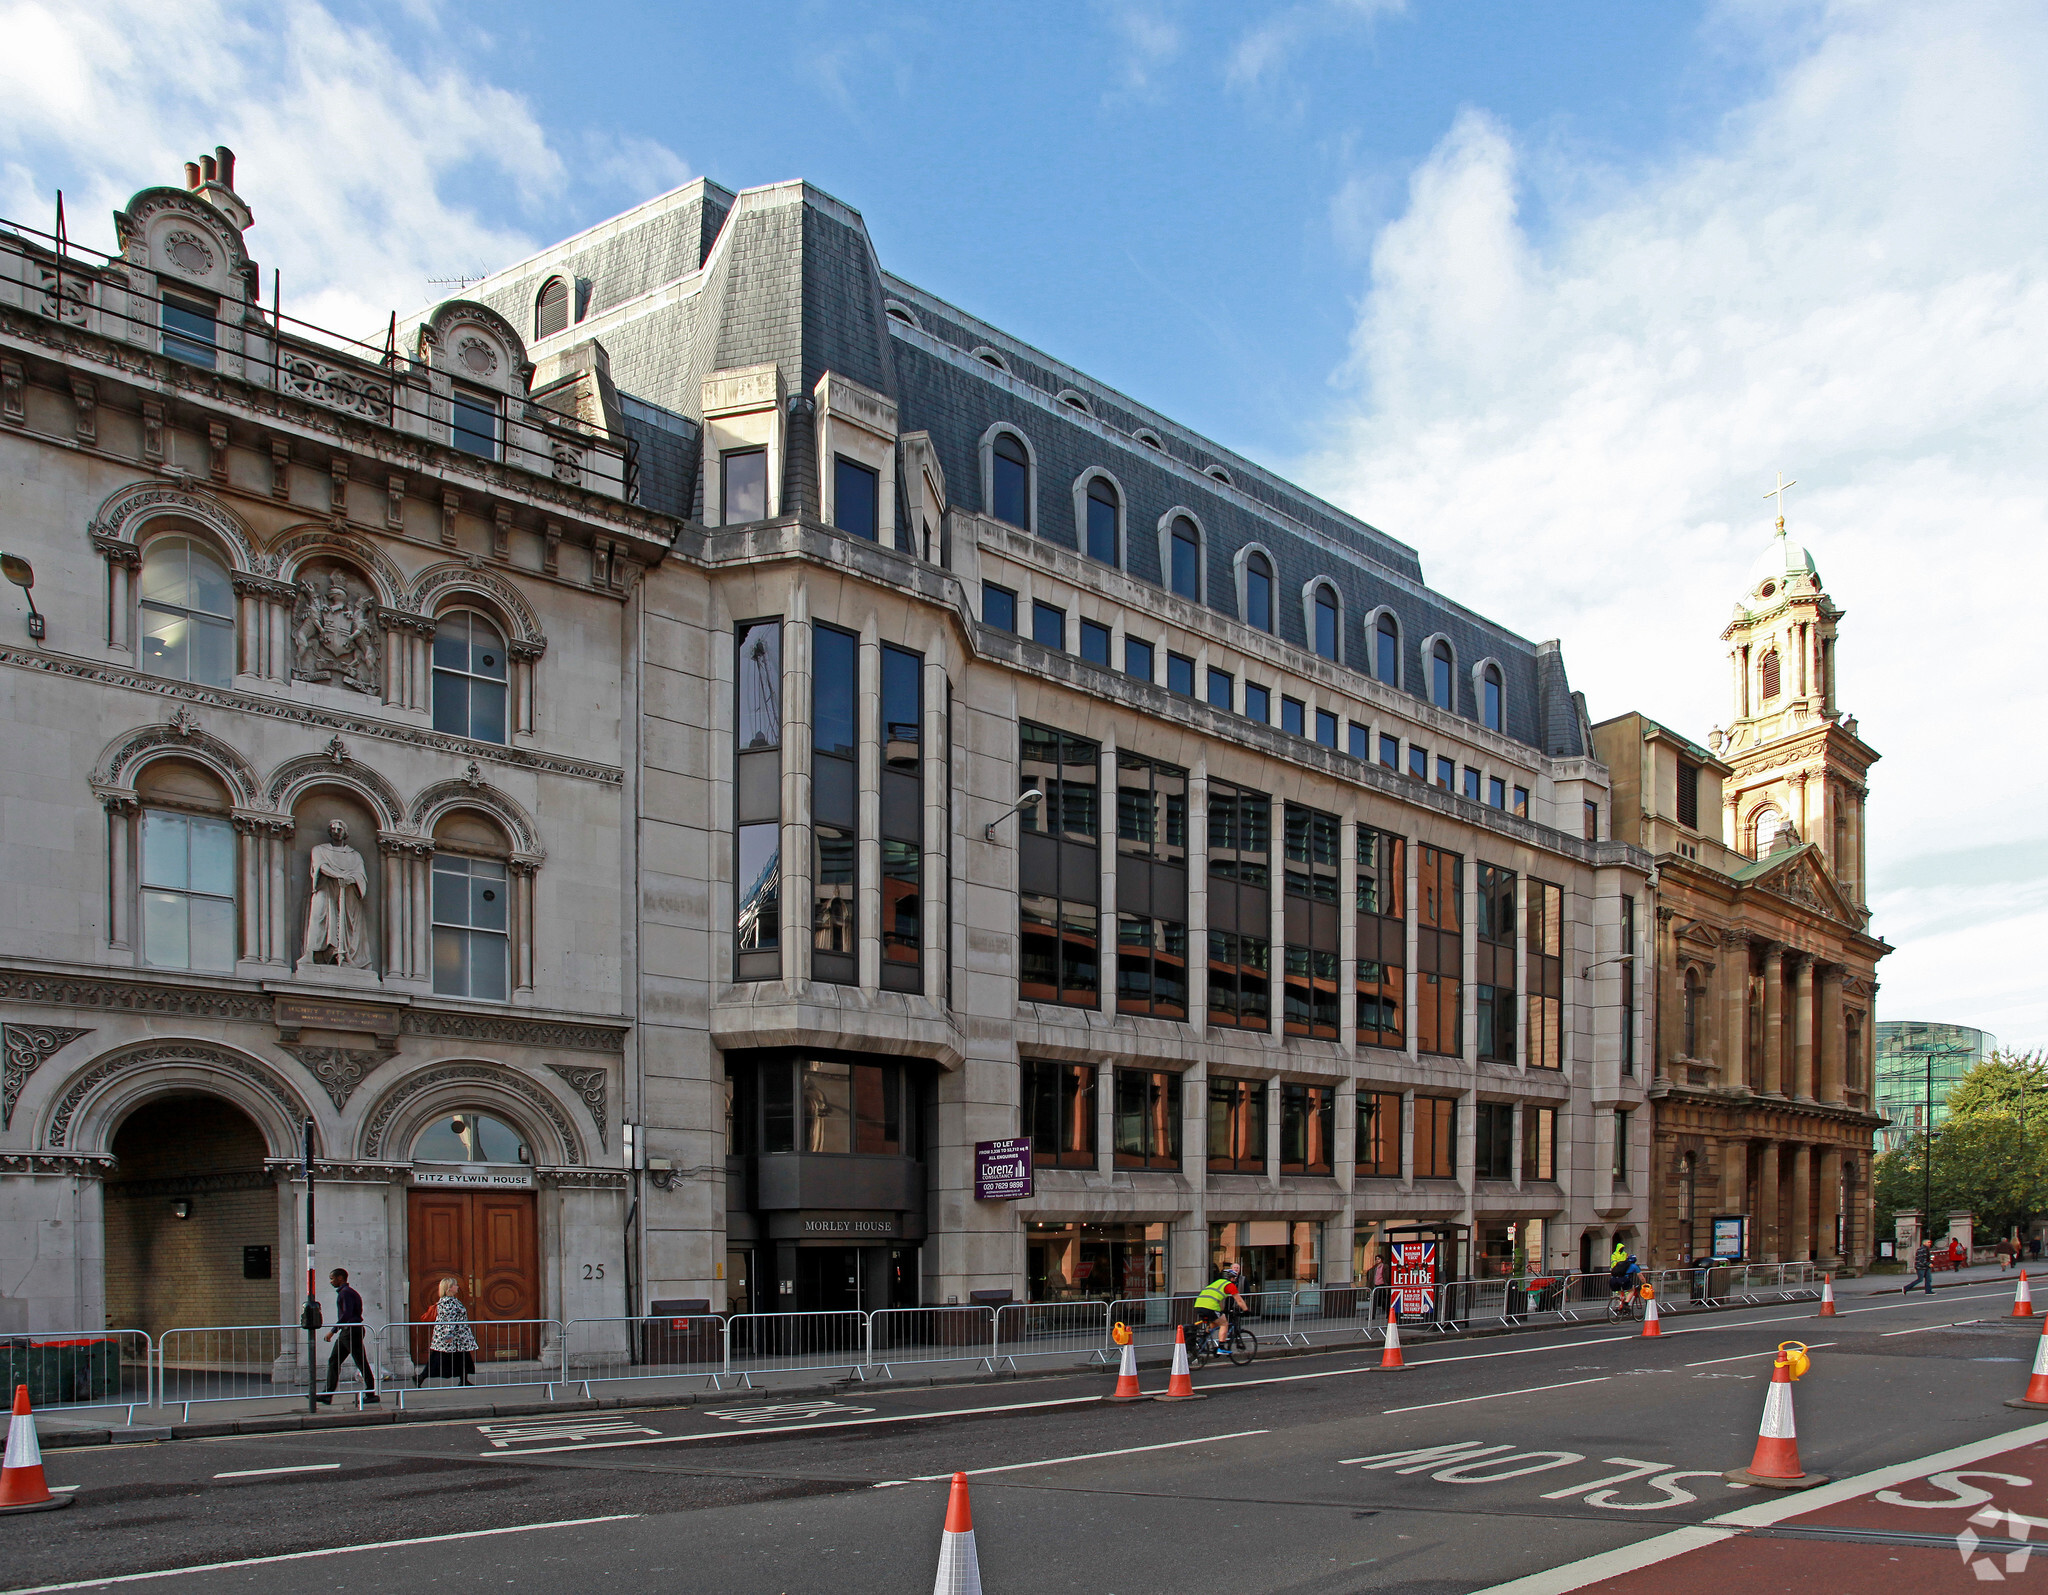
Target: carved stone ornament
339, 1069
337, 928
26, 1048
336, 633
170, 1052
589, 1084
477, 356
188, 252
473, 1073
1797, 885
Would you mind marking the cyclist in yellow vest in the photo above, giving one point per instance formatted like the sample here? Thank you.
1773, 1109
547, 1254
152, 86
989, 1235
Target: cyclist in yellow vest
1220, 1295
1619, 1256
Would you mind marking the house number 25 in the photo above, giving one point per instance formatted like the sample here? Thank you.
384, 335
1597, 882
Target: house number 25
593, 1271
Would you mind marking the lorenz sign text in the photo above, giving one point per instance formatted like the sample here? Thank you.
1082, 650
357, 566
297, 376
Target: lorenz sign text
1002, 1170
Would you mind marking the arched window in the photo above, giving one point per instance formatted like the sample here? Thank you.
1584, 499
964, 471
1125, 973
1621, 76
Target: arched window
1767, 826
1011, 481
1441, 680
469, 677
187, 877
1490, 699
1387, 651
471, 1137
472, 902
1102, 520
188, 608
1258, 593
1187, 559
1327, 623
1692, 1013
551, 310
1773, 674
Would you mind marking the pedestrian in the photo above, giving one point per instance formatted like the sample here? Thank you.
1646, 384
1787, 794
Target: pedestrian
1956, 1256
450, 1352
1923, 1267
2008, 1253
348, 1324
2034, 1246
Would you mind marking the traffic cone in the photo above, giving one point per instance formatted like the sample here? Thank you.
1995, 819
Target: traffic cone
1827, 1296
1391, 1357
1180, 1384
2037, 1386
22, 1486
1650, 1324
959, 1569
2023, 1299
1776, 1463
1127, 1378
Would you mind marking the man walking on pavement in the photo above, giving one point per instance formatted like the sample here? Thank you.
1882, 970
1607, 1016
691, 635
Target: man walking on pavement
348, 1323
1923, 1267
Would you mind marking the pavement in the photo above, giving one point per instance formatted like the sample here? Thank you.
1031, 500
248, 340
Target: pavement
1580, 1457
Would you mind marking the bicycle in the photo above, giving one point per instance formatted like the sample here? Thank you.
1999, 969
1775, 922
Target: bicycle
1240, 1346
1626, 1303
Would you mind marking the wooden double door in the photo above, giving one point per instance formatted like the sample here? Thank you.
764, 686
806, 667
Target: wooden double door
489, 1241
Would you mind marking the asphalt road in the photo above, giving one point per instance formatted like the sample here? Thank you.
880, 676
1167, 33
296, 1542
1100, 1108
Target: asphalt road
1486, 1460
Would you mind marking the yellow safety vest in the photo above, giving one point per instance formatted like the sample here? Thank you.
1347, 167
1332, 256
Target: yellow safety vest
1211, 1297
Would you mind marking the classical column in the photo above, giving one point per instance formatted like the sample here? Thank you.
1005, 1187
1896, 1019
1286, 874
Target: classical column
1833, 1242
1800, 1248
1774, 1025
1802, 1029
121, 808
1765, 1247
1831, 1034
1732, 1050
1669, 1000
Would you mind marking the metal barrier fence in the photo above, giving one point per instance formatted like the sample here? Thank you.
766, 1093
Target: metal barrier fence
230, 1362
931, 1334
77, 1369
652, 1347
509, 1352
1051, 1329
780, 1342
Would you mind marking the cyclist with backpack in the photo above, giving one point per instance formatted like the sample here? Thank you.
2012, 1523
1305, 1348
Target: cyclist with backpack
1220, 1297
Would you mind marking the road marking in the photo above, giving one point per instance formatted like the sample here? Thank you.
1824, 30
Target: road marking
1746, 1355
1495, 1395
795, 1409
504, 1434
258, 1473
1924, 1328
301, 1556
796, 1428
1085, 1456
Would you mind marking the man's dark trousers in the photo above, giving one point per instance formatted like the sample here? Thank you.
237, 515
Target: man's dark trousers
348, 1342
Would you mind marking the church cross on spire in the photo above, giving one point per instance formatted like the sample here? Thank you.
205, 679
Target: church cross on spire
1778, 493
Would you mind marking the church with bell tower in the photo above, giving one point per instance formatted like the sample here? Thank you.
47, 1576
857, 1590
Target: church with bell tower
1762, 1070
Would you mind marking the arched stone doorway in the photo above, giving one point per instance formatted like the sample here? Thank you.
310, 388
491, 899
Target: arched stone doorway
191, 1218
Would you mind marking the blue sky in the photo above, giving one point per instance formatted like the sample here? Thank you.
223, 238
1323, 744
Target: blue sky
1549, 292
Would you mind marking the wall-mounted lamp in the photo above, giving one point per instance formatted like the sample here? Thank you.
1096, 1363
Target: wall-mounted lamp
1034, 796
1619, 958
23, 575
181, 1208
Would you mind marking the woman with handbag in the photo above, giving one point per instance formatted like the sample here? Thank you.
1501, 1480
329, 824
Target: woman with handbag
450, 1353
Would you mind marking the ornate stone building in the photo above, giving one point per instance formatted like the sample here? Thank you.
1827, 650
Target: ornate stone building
1765, 969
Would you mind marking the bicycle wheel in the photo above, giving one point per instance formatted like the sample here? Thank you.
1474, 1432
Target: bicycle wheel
1244, 1345
1200, 1350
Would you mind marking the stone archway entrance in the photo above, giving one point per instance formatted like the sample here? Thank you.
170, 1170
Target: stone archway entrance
191, 1218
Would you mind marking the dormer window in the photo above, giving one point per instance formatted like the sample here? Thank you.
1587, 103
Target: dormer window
1440, 676
476, 423
551, 311
191, 330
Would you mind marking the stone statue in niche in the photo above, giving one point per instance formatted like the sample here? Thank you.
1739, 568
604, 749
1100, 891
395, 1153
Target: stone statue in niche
336, 635
337, 929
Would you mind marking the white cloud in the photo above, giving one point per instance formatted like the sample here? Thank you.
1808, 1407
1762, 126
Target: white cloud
353, 145
1263, 50
1848, 281
1148, 40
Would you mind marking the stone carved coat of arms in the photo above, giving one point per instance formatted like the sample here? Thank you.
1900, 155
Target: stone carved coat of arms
336, 635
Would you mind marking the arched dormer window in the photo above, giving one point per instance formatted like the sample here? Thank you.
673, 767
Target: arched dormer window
1075, 399
1492, 699
1443, 677
1218, 474
898, 311
1328, 621
1386, 649
1773, 674
469, 676
992, 357
1102, 531
1010, 481
1258, 592
187, 613
1185, 552
551, 309
1149, 438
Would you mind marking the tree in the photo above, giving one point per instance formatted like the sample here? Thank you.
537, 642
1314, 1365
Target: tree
1990, 1156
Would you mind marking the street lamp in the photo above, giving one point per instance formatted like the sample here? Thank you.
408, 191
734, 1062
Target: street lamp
1028, 800
20, 572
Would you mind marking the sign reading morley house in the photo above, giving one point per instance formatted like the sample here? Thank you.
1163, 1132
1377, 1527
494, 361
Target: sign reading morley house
1002, 1170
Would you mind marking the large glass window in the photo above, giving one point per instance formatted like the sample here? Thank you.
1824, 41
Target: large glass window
1186, 554
757, 908
1147, 1119
1240, 907
1103, 514
472, 941
469, 677
1436, 1138
1546, 976
188, 891
1059, 859
1258, 593
191, 330
1628, 986
1378, 1148
1328, 626
1094, 1262
1058, 1113
1310, 995
1011, 469
1387, 651
1496, 935
852, 1107
1439, 1022
744, 477
835, 785
856, 498
1494, 1146
1237, 1126
1382, 938
902, 819
475, 429
1308, 1128
1152, 891
188, 608
1539, 1142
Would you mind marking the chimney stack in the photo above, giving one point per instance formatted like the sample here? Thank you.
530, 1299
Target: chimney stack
207, 167
212, 178
192, 174
225, 158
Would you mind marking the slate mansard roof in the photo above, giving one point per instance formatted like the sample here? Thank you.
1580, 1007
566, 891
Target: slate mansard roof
702, 279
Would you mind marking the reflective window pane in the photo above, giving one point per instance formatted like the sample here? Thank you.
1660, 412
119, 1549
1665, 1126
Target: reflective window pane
746, 487
760, 684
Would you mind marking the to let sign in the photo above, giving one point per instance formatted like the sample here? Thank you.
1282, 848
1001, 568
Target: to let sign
1002, 1170
1414, 1278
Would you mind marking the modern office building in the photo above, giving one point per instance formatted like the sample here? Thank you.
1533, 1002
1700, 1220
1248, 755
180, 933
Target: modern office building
1918, 1064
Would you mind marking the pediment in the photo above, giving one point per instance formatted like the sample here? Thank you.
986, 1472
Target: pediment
1799, 876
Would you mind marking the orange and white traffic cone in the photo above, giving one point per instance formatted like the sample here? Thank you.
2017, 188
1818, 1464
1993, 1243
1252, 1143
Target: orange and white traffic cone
959, 1569
1180, 1384
2037, 1386
1391, 1357
1650, 1324
2023, 1299
1827, 1296
1127, 1377
22, 1486
1776, 1463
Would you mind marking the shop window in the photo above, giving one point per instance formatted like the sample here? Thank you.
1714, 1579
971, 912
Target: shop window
1148, 1119
1060, 871
187, 613
1308, 1128
188, 891
469, 677
757, 907
1378, 1148
1382, 938
1237, 1126
1546, 976
1240, 907
1539, 1143
1497, 997
1436, 1138
1494, 1145
1058, 1113
1439, 1020
1310, 906
902, 817
1095, 1262
1278, 1256
856, 498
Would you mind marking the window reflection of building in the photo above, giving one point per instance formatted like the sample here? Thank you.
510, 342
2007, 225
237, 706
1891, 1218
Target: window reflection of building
1094, 1262
1274, 1254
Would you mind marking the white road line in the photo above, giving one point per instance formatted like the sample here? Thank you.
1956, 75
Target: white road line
1494, 1395
257, 1473
1085, 1456
301, 1556
1745, 1356
787, 1428
1956, 1324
